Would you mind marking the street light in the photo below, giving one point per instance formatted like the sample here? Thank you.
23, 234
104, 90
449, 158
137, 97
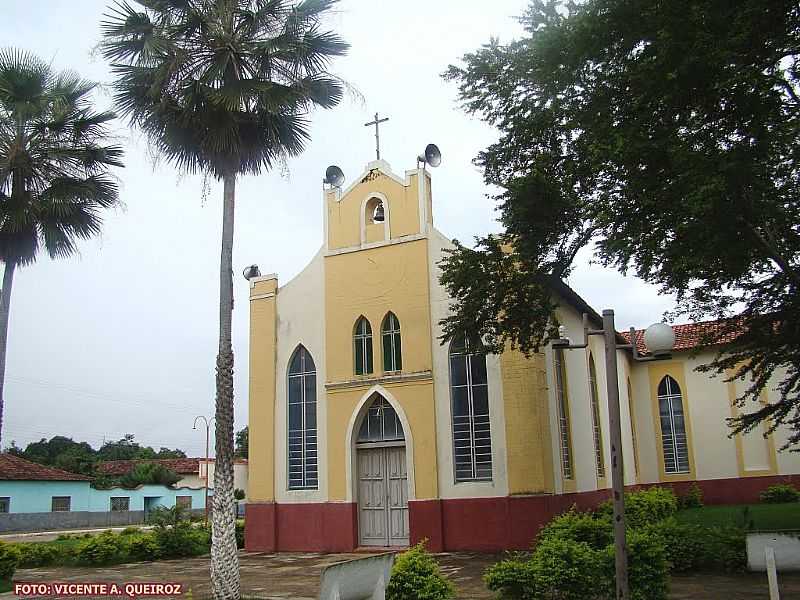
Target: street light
659, 339
208, 429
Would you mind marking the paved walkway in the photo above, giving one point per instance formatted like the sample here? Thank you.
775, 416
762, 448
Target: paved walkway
296, 576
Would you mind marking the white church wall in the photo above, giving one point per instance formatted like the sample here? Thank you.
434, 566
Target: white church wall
301, 320
441, 377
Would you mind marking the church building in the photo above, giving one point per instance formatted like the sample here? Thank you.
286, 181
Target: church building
366, 431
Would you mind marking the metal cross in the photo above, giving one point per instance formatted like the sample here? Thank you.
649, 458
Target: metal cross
377, 122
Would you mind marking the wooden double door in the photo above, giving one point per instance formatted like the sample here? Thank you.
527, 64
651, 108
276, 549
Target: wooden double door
382, 496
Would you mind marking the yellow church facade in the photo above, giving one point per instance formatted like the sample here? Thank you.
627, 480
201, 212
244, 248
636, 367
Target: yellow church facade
366, 431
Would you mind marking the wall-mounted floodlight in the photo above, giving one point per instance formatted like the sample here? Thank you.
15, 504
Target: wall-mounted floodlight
334, 176
431, 156
251, 271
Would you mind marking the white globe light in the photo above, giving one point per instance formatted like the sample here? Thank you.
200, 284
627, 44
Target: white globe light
659, 339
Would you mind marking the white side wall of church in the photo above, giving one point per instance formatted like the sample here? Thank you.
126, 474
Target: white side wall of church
301, 320
440, 302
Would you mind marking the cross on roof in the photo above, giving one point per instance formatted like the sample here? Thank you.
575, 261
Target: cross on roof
377, 122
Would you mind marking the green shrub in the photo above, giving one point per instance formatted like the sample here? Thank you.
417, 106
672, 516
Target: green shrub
593, 529
38, 554
512, 579
129, 531
566, 569
649, 506
416, 576
648, 570
9, 559
103, 549
240, 534
692, 499
692, 547
142, 547
780, 493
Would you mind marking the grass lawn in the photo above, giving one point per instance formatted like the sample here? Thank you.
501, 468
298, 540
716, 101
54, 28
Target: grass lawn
764, 517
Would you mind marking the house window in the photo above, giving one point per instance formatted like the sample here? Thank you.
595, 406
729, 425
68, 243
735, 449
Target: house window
597, 431
673, 427
562, 402
5, 504
472, 442
633, 430
184, 502
120, 504
362, 343
302, 421
392, 348
60, 503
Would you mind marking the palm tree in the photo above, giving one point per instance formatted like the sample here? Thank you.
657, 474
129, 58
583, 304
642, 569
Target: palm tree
54, 169
223, 87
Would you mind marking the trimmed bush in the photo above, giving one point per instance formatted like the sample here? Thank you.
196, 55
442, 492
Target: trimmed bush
693, 498
142, 547
780, 493
648, 570
240, 534
593, 529
32, 555
691, 547
103, 549
9, 559
512, 579
645, 506
566, 569
416, 576
129, 531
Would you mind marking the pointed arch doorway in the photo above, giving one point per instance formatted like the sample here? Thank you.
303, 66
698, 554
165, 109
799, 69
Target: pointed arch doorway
382, 477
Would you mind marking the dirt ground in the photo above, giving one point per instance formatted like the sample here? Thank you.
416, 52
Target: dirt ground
296, 576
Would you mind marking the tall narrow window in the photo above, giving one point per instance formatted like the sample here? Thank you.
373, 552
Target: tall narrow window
633, 430
673, 427
472, 442
563, 414
597, 431
362, 345
302, 421
392, 348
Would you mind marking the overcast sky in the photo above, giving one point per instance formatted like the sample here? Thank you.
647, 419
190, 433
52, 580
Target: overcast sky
122, 338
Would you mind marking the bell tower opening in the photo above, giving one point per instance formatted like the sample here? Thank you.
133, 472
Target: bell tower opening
375, 219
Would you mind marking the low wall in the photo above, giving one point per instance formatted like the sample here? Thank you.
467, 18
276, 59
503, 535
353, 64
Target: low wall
786, 546
52, 521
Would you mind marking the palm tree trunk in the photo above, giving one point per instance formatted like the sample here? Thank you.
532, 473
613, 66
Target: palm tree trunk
5, 306
225, 582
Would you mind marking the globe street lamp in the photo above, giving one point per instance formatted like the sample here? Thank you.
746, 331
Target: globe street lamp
208, 429
659, 339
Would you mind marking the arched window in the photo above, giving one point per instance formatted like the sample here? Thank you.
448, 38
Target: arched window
597, 431
563, 414
392, 348
362, 346
472, 442
673, 427
380, 424
302, 421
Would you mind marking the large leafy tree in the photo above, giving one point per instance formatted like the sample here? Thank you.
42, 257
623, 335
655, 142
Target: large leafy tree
55, 156
664, 135
223, 87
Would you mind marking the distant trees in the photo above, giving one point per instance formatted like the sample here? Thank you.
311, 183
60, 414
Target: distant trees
79, 457
242, 442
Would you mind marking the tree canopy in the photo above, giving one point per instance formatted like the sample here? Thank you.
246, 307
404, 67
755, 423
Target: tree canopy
663, 135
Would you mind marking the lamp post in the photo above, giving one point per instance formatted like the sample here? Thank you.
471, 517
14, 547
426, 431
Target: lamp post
208, 430
660, 340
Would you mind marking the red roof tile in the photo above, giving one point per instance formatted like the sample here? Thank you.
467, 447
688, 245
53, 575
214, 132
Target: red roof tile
182, 466
690, 335
16, 468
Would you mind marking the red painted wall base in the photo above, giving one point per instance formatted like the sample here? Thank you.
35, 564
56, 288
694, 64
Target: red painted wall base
477, 524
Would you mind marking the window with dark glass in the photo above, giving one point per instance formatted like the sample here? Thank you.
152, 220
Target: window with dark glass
673, 427
5, 504
472, 443
362, 346
184, 502
60, 503
597, 432
302, 404
392, 348
562, 403
380, 424
120, 504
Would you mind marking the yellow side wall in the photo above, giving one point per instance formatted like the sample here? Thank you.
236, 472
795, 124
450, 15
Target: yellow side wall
416, 399
262, 392
371, 283
528, 442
